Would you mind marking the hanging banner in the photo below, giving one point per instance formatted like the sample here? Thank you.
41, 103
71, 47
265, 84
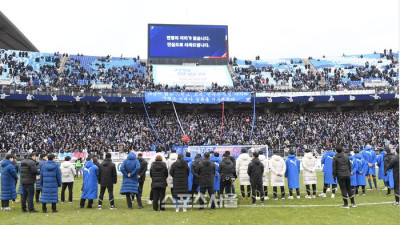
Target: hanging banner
197, 97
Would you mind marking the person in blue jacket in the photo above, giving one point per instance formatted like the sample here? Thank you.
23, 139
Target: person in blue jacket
130, 184
380, 162
292, 173
189, 161
369, 156
89, 188
50, 180
42, 161
353, 173
8, 178
361, 168
326, 162
215, 159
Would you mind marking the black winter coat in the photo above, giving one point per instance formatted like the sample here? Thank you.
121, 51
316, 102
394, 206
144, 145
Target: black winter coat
341, 166
107, 173
142, 171
180, 173
158, 174
394, 164
194, 167
29, 171
206, 172
386, 160
255, 171
226, 169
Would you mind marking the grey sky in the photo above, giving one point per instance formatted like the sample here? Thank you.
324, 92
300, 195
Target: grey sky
272, 29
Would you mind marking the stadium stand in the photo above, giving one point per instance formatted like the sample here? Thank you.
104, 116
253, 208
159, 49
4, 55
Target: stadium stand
28, 71
96, 133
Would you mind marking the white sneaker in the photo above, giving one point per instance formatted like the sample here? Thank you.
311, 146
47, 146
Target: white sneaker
290, 197
177, 210
333, 196
149, 202
266, 198
323, 195
307, 196
113, 207
329, 189
298, 197
7, 209
314, 196
184, 210
99, 207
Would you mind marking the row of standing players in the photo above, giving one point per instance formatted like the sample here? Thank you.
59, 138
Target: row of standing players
185, 177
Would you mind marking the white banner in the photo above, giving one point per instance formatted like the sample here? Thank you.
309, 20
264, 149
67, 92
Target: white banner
191, 75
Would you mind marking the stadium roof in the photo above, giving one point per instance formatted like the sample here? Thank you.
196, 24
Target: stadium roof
12, 38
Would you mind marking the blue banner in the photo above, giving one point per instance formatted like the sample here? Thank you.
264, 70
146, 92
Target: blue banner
68, 98
327, 98
198, 97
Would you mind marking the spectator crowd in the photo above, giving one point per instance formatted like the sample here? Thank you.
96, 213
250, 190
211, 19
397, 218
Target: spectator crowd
97, 133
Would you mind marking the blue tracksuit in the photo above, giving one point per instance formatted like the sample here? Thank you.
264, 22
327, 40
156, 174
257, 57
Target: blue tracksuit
381, 164
353, 178
370, 157
326, 161
90, 188
189, 160
361, 167
217, 181
292, 171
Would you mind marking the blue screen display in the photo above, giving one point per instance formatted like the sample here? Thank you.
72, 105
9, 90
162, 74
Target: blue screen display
188, 41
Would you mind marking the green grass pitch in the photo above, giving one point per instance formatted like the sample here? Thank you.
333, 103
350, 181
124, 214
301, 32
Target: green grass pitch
374, 208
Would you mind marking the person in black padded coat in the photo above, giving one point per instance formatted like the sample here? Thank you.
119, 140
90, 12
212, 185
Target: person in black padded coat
107, 177
206, 172
142, 172
158, 174
180, 173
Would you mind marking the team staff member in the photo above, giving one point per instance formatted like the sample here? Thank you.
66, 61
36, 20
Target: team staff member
341, 169
394, 164
107, 177
50, 180
29, 174
8, 179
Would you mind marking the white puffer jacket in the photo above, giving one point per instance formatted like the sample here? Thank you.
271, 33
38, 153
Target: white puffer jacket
242, 164
67, 172
277, 167
172, 158
309, 163
264, 161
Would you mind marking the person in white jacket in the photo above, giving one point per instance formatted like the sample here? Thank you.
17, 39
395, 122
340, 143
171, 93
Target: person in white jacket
264, 161
67, 178
309, 175
278, 168
172, 158
153, 159
242, 164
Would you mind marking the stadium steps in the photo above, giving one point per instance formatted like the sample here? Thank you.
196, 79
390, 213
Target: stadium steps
313, 70
232, 72
64, 59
